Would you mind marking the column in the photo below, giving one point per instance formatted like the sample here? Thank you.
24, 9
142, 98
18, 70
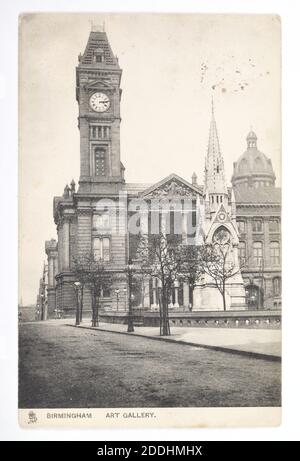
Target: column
146, 293
66, 244
186, 295
249, 243
50, 271
266, 245
163, 222
184, 227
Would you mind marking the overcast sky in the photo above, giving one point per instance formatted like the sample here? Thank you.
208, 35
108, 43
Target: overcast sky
172, 65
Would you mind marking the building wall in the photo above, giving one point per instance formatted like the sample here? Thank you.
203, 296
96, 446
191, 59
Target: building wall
262, 276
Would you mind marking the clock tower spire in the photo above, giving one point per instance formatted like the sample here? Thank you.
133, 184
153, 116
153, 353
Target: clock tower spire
98, 94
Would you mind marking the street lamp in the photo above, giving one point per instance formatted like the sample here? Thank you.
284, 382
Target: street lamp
117, 291
130, 328
77, 286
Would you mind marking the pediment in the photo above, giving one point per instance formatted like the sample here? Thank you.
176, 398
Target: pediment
100, 84
170, 187
222, 216
222, 219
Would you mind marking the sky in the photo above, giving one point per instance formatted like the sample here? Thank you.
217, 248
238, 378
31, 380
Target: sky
172, 66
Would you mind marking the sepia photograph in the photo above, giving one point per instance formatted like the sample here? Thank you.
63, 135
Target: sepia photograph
149, 220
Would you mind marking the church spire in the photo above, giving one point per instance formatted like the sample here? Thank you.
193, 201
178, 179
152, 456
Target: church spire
214, 179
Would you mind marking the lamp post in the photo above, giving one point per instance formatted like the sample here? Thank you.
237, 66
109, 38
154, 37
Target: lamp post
117, 291
77, 286
130, 328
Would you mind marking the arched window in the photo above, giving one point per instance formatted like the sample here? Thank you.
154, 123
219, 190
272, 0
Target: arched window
274, 225
243, 165
241, 226
257, 225
277, 286
258, 165
257, 253
275, 253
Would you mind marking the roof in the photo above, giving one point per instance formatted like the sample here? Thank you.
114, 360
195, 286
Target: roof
252, 161
260, 195
135, 188
96, 41
145, 188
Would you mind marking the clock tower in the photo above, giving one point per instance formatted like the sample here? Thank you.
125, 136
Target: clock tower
98, 94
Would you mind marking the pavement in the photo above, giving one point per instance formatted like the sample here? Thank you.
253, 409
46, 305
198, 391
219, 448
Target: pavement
67, 367
257, 343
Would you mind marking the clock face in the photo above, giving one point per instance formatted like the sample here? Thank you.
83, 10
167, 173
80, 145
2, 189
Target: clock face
99, 102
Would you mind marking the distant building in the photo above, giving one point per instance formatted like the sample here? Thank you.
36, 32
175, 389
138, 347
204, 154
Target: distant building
42, 298
27, 313
258, 210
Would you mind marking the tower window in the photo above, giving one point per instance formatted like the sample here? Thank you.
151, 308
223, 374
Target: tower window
99, 55
100, 132
100, 161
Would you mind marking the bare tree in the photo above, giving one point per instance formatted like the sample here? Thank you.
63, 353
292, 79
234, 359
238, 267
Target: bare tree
161, 257
215, 260
92, 273
191, 267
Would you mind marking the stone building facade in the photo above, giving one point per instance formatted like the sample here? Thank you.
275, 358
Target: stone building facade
41, 307
95, 216
258, 208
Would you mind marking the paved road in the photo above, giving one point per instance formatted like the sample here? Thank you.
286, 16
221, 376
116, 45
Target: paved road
65, 367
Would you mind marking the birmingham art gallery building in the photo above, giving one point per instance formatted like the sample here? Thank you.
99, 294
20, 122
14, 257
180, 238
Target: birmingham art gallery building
94, 217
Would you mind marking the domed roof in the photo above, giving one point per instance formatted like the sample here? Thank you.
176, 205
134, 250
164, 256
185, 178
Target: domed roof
253, 165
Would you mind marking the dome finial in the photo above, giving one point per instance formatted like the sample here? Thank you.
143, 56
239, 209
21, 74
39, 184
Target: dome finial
251, 139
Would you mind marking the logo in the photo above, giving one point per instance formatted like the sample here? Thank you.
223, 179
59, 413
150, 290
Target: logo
32, 419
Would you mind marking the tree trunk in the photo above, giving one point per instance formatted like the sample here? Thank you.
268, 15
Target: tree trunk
81, 302
224, 296
160, 314
165, 331
93, 308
